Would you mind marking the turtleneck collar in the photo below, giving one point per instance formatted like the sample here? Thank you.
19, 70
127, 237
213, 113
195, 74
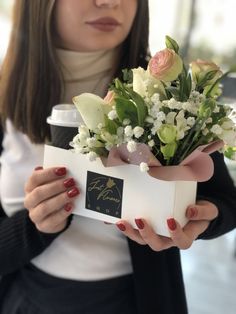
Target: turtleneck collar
84, 65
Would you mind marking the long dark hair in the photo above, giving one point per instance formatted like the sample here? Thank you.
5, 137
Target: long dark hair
31, 82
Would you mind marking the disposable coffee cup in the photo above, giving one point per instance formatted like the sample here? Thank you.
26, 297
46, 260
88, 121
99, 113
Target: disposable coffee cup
64, 122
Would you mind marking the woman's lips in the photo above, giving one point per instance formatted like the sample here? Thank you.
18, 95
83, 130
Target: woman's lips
105, 24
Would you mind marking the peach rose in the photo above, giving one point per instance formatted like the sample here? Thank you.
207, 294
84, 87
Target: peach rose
166, 65
201, 68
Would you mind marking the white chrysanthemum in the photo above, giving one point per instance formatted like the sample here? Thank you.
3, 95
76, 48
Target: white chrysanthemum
155, 98
216, 129
112, 115
80, 149
160, 116
147, 101
153, 111
128, 131
120, 131
91, 142
126, 121
190, 107
209, 120
190, 121
138, 131
156, 127
151, 143
205, 131
149, 119
92, 156
131, 146
83, 137
196, 97
75, 139
144, 167
83, 133
216, 109
173, 104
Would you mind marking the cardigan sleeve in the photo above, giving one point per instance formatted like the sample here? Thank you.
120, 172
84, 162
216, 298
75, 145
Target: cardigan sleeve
20, 240
221, 191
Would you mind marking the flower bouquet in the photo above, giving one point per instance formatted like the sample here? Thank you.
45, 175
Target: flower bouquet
164, 115
167, 120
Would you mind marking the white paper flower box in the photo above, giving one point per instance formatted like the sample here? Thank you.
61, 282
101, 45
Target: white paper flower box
123, 192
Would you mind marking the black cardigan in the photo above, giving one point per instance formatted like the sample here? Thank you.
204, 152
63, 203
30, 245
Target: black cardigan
158, 276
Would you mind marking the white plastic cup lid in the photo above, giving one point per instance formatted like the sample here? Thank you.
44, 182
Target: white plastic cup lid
65, 115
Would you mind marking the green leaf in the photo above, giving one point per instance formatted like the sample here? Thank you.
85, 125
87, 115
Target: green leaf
100, 151
174, 91
127, 75
166, 87
230, 152
126, 109
110, 125
171, 44
140, 105
206, 108
188, 85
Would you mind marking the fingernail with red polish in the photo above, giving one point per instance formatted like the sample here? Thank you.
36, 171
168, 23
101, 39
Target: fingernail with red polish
68, 207
171, 224
73, 192
69, 183
139, 223
121, 226
38, 168
60, 171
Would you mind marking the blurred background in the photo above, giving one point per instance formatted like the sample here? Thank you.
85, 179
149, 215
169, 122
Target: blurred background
204, 29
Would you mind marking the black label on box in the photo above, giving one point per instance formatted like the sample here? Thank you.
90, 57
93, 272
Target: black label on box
104, 194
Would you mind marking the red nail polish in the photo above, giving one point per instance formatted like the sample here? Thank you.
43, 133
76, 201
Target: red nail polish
121, 226
73, 192
69, 183
171, 224
38, 168
139, 223
68, 207
60, 171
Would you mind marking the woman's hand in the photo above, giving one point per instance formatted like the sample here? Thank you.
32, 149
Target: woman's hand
49, 198
199, 215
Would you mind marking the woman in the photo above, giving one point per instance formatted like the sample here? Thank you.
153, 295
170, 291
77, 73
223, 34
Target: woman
51, 262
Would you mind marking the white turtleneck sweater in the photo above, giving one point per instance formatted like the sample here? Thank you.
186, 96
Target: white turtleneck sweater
88, 249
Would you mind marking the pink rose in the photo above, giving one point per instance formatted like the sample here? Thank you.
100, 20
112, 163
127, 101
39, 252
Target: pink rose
166, 65
201, 68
